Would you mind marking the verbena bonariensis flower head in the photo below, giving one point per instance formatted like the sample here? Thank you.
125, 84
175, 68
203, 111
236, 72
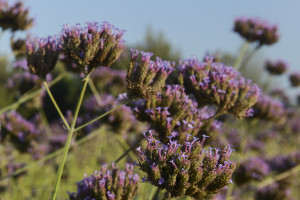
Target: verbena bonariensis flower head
19, 130
295, 79
276, 68
269, 109
92, 46
107, 184
256, 30
42, 55
14, 17
252, 169
220, 85
172, 113
185, 169
146, 77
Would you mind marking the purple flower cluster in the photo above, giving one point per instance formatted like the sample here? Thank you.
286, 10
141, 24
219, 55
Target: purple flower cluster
172, 113
42, 55
146, 77
276, 68
295, 79
269, 109
20, 131
14, 17
256, 30
217, 84
92, 46
87, 47
107, 184
185, 169
252, 169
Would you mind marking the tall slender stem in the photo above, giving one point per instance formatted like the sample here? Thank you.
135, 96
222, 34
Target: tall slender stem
241, 55
101, 116
130, 149
70, 134
248, 58
56, 106
94, 91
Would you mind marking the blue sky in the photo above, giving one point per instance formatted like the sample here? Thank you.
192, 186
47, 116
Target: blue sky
194, 26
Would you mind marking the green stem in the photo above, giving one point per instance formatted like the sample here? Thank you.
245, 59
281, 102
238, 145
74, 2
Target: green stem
156, 194
130, 149
56, 106
27, 97
248, 57
241, 55
70, 134
278, 177
94, 91
101, 116
229, 191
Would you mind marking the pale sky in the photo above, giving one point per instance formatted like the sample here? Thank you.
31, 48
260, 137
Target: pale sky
194, 26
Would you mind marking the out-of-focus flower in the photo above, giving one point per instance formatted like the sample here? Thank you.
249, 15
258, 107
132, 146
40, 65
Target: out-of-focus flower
110, 80
185, 169
18, 47
256, 30
107, 184
252, 169
269, 109
14, 17
20, 131
146, 77
220, 85
92, 46
276, 68
295, 79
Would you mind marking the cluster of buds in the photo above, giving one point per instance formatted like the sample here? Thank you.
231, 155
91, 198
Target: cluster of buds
217, 84
252, 169
256, 30
185, 169
19, 130
14, 17
107, 184
173, 114
269, 109
93, 45
295, 79
276, 68
145, 77
110, 80
42, 55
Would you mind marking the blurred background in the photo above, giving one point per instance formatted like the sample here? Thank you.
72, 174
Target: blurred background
192, 27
